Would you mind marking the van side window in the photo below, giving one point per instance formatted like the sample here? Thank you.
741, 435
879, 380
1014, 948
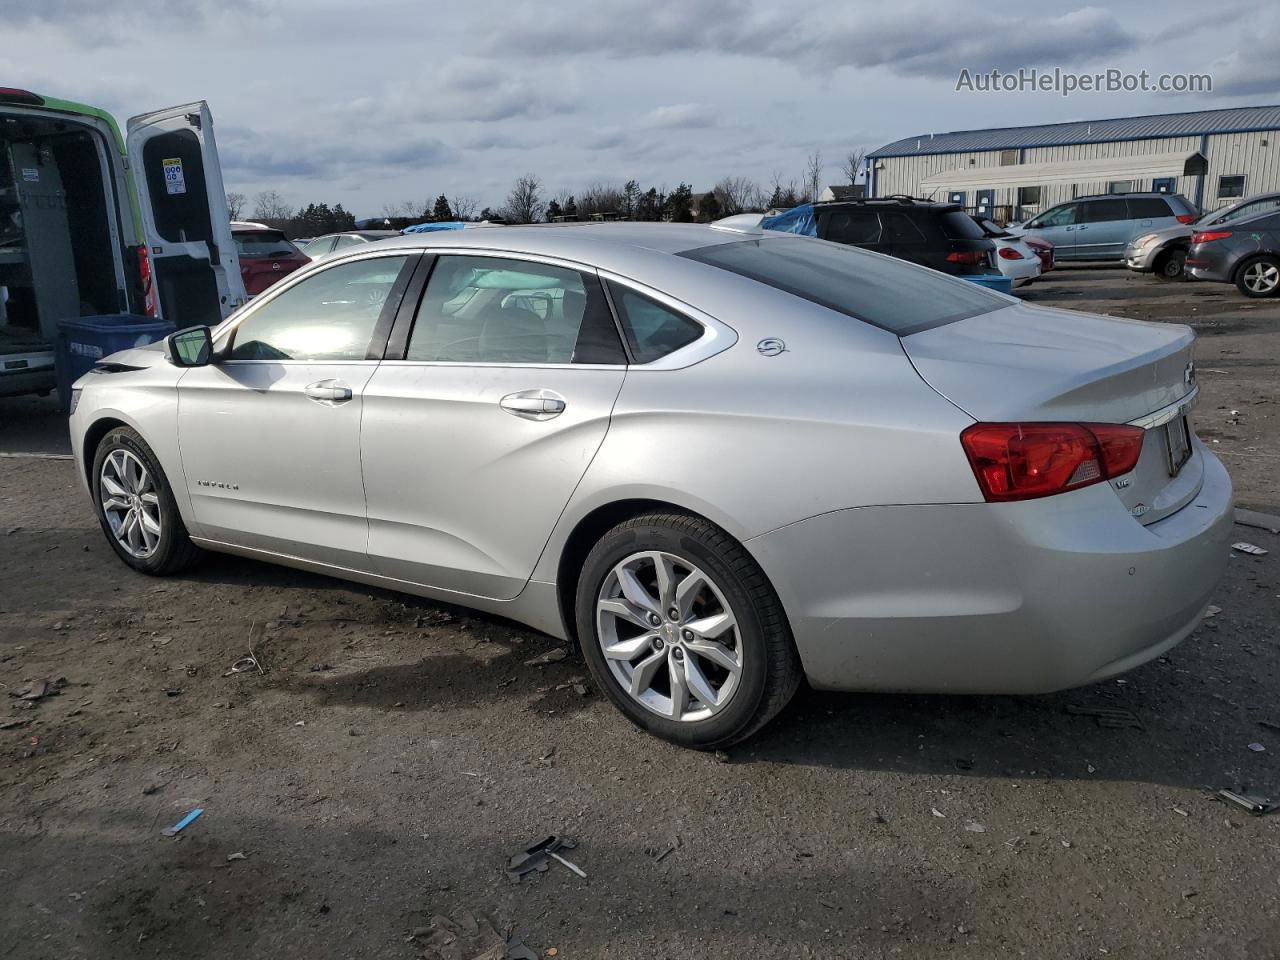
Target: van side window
1148, 208
1103, 211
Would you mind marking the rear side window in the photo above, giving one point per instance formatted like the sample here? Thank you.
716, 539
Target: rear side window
496, 310
347, 241
1148, 208
852, 226
264, 243
891, 294
1103, 211
653, 330
900, 228
960, 226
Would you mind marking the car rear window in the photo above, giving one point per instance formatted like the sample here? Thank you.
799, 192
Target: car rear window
960, 226
1146, 208
891, 294
264, 243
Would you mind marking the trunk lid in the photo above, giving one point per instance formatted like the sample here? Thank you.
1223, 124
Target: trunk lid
1037, 364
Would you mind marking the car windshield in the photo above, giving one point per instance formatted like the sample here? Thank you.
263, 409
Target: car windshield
891, 294
264, 243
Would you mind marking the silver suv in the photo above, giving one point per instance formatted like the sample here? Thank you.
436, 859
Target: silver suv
1164, 252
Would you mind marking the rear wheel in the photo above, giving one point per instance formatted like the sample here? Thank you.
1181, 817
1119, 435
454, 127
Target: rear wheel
1259, 277
683, 632
135, 506
1171, 265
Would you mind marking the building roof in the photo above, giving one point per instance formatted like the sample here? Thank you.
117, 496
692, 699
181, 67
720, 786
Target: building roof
1194, 124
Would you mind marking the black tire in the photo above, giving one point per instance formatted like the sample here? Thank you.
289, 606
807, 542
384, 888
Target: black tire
174, 551
1171, 266
771, 670
1243, 269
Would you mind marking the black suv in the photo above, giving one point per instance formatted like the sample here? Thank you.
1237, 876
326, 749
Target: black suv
931, 233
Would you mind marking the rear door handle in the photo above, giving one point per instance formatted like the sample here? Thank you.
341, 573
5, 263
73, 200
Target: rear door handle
533, 404
328, 391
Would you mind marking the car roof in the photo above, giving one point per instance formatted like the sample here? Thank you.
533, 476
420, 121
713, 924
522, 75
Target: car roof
244, 226
914, 203
1122, 196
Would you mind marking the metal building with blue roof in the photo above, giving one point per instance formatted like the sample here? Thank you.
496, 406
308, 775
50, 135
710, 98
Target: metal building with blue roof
1211, 157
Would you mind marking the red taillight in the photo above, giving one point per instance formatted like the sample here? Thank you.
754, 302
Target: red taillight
1186, 218
14, 95
1022, 461
969, 257
144, 274
1008, 253
1210, 235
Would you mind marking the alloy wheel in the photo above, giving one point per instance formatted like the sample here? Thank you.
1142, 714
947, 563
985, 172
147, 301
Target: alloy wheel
669, 636
131, 503
1262, 277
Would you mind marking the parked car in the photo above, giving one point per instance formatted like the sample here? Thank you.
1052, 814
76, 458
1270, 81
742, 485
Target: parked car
930, 233
266, 255
1164, 252
1042, 249
1244, 252
946, 490
96, 223
1099, 228
1015, 258
333, 242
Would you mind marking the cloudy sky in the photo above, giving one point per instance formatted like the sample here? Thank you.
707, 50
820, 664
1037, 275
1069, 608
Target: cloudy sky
369, 102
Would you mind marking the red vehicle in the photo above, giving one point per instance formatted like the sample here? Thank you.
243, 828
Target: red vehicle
1044, 250
266, 255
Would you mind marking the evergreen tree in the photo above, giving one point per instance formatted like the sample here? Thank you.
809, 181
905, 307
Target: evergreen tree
553, 211
679, 206
571, 209
709, 207
441, 211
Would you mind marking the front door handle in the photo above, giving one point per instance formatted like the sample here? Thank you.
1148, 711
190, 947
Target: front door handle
533, 404
328, 391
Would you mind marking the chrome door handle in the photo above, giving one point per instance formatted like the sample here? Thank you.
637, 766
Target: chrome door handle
533, 404
328, 390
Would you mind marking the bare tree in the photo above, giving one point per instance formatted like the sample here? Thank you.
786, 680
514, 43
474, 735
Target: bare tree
269, 205
464, 206
236, 203
406, 209
737, 194
852, 165
600, 198
813, 174
524, 202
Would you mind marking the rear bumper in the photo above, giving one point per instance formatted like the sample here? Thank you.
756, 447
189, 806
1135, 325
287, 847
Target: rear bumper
996, 598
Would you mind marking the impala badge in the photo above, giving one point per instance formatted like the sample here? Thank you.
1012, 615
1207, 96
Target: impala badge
217, 485
771, 347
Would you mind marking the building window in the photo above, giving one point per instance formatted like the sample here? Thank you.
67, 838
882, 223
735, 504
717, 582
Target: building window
1164, 185
1121, 186
1008, 158
1232, 186
1028, 196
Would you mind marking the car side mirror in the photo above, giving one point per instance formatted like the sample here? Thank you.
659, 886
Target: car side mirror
192, 347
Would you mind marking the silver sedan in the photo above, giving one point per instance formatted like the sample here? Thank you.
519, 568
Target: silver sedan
718, 460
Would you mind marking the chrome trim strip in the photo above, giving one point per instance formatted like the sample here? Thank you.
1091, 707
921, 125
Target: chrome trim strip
1171, 412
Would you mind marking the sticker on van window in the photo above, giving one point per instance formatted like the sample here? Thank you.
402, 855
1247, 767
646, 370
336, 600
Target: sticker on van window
31, 174
174, 181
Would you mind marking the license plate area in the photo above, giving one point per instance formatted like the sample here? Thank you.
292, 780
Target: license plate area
1177, 444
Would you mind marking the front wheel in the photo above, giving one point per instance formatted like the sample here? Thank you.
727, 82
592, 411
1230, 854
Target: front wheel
683, 632
1172, 265
135, 506
1259, 277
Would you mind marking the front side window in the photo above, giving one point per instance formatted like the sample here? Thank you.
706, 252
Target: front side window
653, 330
261, 244
496, 310
1232, 186
1063, 216
891, 294
331, 315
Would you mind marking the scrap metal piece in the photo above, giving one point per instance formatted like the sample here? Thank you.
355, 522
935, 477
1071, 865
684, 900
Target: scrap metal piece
1255, 805
534, 858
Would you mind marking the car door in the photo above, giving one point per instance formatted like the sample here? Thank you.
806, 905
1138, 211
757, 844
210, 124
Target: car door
1057, 225
195, 274
496, 393
270, 432
1103, 230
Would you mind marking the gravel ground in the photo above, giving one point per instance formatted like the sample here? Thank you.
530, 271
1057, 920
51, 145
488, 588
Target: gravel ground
364, 792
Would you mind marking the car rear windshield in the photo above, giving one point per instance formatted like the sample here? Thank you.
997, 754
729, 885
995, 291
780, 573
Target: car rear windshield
891, 294
264, 243
960, 226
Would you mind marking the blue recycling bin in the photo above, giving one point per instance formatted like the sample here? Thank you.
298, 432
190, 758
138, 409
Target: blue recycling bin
992, 281
83, 341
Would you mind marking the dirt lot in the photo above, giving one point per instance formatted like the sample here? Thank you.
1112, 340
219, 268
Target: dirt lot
396, 752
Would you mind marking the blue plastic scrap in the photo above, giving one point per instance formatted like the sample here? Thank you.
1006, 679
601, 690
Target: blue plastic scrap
796, 220
185, 822
433, 227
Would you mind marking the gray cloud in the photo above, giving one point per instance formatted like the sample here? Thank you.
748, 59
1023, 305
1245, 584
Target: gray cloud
679, 116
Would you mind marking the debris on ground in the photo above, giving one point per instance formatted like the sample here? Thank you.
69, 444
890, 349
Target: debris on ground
1112, 717
551, 656
1269, 724
251, 662
974, 827
466, 936
1257, 748
1263, 521
238, 855
14, 723
182, 824
1212, 611
39, 689
937, 813
534, 858
658, 854
1249, 548
1255, 805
